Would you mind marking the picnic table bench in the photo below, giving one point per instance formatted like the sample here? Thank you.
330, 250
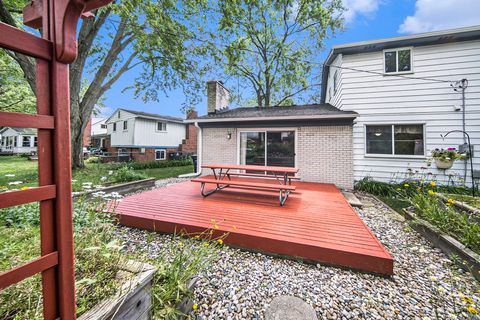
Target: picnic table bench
222, 174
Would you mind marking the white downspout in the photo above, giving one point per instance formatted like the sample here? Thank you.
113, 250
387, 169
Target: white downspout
199, 155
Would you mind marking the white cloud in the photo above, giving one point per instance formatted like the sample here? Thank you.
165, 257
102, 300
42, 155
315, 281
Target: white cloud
355, 8
432, 15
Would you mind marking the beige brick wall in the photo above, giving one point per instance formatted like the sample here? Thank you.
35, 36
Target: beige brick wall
324, 153
217, 148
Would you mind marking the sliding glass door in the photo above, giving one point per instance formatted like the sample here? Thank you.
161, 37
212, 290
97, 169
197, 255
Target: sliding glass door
268, 148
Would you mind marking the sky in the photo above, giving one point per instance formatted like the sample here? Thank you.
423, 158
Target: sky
364, 20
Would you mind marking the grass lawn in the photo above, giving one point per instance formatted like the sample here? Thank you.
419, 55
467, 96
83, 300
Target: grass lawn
25, 171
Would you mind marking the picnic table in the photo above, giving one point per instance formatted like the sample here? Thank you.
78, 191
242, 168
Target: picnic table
222, 174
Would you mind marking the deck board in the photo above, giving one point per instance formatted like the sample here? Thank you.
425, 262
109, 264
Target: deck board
316, 223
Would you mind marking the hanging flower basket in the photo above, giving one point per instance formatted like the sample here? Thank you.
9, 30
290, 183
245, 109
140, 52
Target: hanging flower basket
444, 158
443, 164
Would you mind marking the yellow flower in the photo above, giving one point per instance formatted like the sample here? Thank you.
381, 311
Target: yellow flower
398, 189
195, 306
206, 244
431, 192
220, 241
196, 237
24, 188
451, 201
433, 278
467, 300
448, 204
215, 226
472, 310
433, 183
406, 185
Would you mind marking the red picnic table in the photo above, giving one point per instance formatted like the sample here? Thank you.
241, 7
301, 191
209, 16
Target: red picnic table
222, 174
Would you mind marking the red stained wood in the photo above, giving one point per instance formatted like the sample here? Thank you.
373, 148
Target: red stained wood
250, 168
22, 120
24, 42
252, 183
15, 198
316, 224
29, 269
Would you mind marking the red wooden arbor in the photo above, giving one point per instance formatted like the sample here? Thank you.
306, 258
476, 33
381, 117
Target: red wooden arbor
53, 52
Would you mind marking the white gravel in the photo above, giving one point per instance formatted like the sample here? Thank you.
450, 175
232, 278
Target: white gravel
426, 284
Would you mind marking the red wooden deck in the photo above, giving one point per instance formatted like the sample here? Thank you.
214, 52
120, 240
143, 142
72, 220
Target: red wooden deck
316, 223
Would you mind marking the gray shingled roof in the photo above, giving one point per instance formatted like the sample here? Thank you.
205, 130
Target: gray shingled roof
153, 115
279, 112
25, 131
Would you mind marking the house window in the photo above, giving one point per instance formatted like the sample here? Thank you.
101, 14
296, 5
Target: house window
335, 82
118, 115
114, 126
397, 139
25, 141
161, 126
160, 154
103, 126
35, 141
125, 125
398, 60
122, 152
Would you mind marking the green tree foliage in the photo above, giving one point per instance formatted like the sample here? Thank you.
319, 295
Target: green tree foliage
155, 36
271, 44
15, 93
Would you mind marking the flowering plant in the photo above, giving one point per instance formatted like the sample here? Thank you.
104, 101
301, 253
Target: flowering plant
450, 154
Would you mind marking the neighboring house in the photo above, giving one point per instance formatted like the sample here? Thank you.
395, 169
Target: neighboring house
18, 140
99, 137
145, 136
317, 138
402, 90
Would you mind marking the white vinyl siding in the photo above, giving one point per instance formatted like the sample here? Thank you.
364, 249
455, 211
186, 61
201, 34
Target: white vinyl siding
384, 100
146, 133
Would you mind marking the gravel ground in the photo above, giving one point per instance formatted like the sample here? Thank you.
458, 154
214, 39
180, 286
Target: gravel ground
240, 285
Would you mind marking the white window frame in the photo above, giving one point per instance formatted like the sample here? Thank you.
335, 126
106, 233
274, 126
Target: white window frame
125, 124
164, 154
393, 155
239, 132
166, 126
396, 62
29, 141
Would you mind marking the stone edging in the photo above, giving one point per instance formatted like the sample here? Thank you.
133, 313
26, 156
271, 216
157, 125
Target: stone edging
450, 246
469, 259
133, 300
121, 188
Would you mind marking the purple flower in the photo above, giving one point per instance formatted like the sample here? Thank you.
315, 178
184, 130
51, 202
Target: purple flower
451, 148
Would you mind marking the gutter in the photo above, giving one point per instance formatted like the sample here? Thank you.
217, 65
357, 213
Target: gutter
305, 117
199, 155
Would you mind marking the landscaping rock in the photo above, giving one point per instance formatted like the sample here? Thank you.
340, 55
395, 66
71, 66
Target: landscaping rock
289, 308
241, 284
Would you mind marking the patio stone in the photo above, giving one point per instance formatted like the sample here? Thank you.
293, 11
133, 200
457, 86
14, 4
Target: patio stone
352, 199
289, 308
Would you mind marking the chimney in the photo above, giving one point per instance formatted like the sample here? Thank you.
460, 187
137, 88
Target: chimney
218, 96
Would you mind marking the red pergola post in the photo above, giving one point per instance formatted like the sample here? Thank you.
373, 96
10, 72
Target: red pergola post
54, 51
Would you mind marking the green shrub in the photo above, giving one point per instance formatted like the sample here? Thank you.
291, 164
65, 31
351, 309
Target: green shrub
93, 160
447, 219
155, 164
377, 188
126, 174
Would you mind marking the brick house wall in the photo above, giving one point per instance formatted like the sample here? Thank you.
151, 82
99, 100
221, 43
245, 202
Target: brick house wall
189, 144
324, 153
87, 133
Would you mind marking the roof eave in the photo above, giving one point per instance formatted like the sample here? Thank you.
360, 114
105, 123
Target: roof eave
296, 117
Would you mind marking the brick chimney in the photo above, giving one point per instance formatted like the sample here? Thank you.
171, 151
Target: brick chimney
218, 96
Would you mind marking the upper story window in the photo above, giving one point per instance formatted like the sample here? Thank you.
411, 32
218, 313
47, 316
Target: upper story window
125, 125
118, 115
114, 126
398, 60
161, 126
103, 126
395, 139
335, 82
